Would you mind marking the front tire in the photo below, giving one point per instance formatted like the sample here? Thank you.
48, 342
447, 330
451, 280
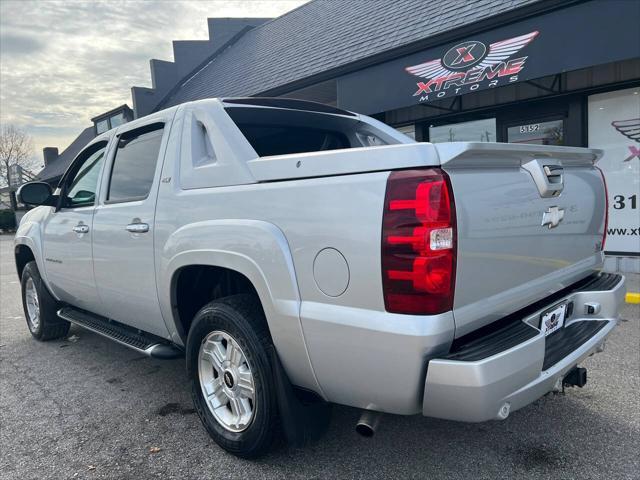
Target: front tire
40, 308
231, 377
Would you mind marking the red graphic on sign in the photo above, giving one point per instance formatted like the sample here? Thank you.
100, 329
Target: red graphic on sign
630, 129
464, 55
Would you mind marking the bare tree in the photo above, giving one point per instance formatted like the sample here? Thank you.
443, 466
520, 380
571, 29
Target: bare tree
16, 148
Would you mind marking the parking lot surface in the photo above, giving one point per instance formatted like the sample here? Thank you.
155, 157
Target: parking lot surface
85, 407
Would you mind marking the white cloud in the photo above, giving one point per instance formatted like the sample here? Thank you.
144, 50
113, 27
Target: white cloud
62, 63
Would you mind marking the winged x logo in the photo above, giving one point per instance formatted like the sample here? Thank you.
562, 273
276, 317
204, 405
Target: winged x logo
464, 56
464, 66
631, 130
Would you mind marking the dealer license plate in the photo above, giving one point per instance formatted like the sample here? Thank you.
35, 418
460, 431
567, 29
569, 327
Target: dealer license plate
553, 320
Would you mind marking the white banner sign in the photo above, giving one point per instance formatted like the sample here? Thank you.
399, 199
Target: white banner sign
614, 126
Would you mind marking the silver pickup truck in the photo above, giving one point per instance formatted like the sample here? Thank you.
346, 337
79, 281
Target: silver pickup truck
299, 255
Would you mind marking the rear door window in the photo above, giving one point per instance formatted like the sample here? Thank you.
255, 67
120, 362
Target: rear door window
134, 165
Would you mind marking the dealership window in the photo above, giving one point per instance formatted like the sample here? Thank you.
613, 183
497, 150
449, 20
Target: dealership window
475, 131
614, 127
538, 133
408, 130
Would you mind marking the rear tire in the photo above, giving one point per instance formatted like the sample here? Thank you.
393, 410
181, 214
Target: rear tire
40, 308
231, 376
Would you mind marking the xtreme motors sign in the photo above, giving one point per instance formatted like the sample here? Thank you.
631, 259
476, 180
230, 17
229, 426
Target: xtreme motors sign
579, 36
466, 66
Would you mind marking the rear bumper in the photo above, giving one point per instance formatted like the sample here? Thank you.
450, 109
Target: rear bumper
478, 384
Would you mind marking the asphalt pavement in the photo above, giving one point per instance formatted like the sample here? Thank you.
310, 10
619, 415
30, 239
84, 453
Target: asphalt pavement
85, 407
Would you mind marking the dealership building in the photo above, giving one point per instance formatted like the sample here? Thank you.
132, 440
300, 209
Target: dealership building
520, 71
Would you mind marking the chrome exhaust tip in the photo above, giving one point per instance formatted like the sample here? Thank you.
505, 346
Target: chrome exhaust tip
368, 423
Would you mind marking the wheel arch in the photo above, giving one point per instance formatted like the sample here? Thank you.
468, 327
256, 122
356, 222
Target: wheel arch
252, 253
23, 255
28, 238
195, 285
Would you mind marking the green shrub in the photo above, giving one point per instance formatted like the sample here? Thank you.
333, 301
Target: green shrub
7, 220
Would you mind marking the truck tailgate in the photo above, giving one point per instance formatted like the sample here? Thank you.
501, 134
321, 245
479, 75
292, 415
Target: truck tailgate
530, 222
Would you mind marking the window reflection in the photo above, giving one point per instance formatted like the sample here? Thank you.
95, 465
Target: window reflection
474, 131
540, 133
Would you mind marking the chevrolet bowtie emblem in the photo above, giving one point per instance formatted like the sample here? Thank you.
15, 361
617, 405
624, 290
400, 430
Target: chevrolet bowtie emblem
552, 217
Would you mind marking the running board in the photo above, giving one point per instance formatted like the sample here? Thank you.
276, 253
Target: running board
129, 337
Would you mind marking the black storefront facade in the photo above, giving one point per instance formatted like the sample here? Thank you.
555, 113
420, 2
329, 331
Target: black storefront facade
547, 79
587, 47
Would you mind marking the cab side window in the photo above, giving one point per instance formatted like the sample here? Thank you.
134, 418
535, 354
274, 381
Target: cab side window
134, 165
81, 186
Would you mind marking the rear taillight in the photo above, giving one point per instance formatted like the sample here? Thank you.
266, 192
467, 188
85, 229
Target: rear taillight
606, 208
418, 243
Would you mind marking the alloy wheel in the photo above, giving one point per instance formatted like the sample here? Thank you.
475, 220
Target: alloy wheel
226, 381
33, 304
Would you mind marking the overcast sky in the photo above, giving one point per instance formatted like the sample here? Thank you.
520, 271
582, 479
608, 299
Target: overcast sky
62, 63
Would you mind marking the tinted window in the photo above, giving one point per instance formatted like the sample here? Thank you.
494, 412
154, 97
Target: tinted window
81, 190
280, 140
135, 164
276, 131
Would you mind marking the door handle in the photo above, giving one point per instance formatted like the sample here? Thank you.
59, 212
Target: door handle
137, 227
554, 174
81, 228
548, 178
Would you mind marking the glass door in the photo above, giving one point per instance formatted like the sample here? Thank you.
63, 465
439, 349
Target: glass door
539, 133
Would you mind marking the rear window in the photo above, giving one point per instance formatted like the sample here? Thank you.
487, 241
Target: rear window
279, 140
273, 131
